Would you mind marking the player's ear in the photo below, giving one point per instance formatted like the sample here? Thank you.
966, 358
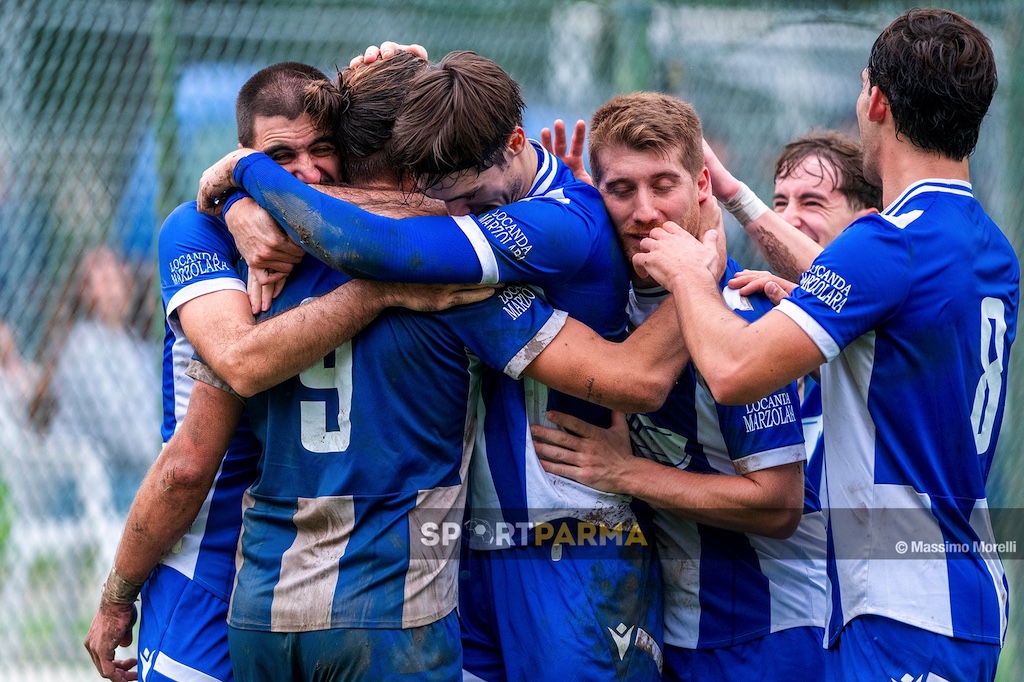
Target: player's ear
516, 141
878, 104
704, 185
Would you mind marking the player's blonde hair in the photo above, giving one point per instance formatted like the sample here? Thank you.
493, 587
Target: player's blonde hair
647, 121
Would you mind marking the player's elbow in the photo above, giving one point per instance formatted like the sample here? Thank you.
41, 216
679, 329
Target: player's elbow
781, 523
647, 394
235, 368
730, 384
182, 472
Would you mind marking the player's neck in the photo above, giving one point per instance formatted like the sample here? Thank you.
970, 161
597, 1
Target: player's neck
908, 164
527, 167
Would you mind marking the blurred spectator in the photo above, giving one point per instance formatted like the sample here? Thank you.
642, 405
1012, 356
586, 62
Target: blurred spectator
106, 382
18, 380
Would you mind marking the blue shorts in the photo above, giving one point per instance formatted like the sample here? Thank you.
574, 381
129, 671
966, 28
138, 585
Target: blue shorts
535, 613
431, 652
876, 648
783, 656
183, 631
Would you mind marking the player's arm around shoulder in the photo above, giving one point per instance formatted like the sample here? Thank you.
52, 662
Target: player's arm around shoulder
635, 375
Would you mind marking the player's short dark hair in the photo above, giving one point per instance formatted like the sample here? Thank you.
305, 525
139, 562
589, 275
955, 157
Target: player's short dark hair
842, 161
457, 117
277, 90
939, 73
647, 121
375, 93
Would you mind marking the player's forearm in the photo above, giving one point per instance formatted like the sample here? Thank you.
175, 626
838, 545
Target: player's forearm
770, 504
788, 250
651, 359
176, 485
357, 242
717, 340
269, 352
580, 363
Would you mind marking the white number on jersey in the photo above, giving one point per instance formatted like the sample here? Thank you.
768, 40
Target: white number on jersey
313, 430
990, 385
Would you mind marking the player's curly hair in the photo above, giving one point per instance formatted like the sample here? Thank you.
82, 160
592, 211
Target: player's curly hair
842, 160
939, 73
457, 117
647, 121
277, 90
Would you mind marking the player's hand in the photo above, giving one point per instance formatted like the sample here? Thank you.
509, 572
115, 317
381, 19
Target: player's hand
430, 298
674, 257
585, 453
752, 281
261, 296
269, 252
723, 183
112, 627
711, 216
217, 181
573, 158
387, 50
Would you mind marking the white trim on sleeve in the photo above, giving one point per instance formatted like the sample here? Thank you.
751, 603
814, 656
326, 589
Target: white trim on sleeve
822, 339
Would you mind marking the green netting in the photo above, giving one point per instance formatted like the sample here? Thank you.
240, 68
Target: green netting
111, 109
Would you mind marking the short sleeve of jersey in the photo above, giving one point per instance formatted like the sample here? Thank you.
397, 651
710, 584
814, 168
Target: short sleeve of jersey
547, 235
197, 256
861, 278
764, 434
508, 330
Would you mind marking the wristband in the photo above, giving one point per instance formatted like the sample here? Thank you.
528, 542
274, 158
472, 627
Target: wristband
744, 206
119, 590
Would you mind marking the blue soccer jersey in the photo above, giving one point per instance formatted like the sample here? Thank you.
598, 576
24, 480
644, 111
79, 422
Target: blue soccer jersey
558, 238
915, 310
197, 257
183, 620
721, 587
356, 513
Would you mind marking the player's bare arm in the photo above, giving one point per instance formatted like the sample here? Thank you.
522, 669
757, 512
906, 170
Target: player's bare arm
633, 376
788, 250
167, 503
252, 357
768, 502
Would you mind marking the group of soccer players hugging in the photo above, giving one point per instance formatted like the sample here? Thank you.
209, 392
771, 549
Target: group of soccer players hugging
439, 402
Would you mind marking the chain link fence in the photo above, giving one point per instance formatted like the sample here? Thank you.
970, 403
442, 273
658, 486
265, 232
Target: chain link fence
111, 109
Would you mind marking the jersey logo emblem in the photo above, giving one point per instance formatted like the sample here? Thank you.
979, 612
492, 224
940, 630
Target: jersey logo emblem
145, 661
621, 635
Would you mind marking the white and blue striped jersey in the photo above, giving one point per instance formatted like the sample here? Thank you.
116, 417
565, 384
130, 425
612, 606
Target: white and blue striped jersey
558, 239
355, 517
198, 256
915, 310
723, 587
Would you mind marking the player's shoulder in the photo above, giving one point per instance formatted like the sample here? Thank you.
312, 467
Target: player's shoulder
186, 217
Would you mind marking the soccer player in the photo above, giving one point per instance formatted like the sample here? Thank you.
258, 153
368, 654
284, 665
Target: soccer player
183, 628
914, 311
517, 215
820, 189
743, 560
